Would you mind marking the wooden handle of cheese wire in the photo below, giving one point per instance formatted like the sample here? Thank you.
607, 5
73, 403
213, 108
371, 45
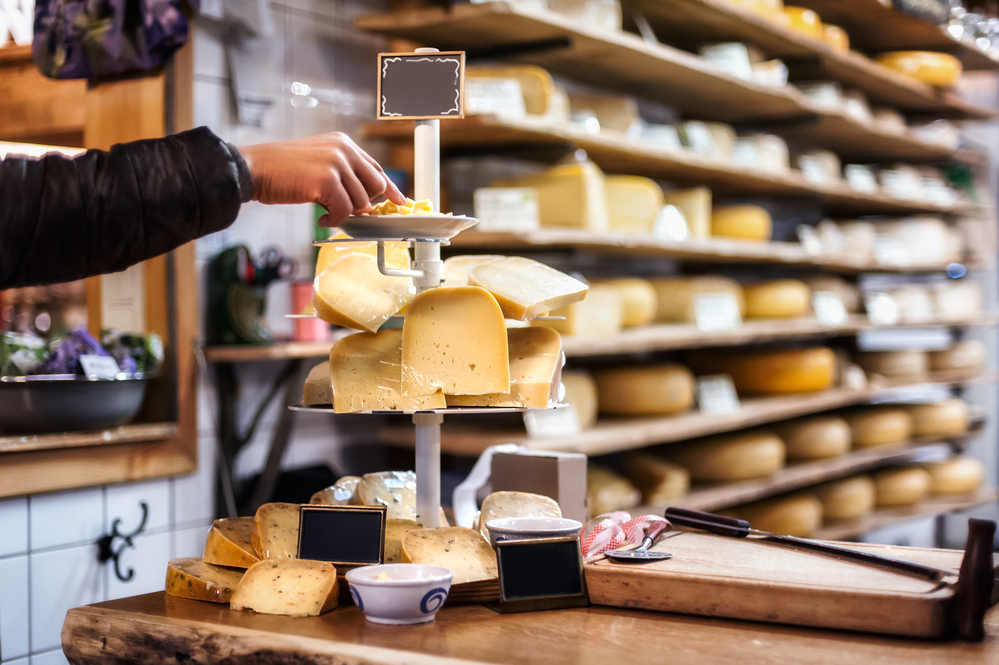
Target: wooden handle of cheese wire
974, 586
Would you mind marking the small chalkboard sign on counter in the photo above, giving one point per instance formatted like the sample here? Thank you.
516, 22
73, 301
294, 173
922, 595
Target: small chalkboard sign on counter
542, 574
421, 86
342, 535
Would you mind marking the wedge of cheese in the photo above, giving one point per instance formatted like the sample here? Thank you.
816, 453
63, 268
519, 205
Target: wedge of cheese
845, 500
536, 361
275, 531
366, 373
774, 372
878, 426
608, 491
456, 268
659, 480
902, 486
525, 288
395, 530
341, 493
633, 203
318, 387
462, 550
731, 456
947, 418
677, 296
695, 205
300, 588
796, 515
568, 195
195, 579
967, 354
230, 543
781, 299
745, 222
515, 504
958, 475
645, 390
581, 395
602, 313
352, 293
638, 297
817, 437
396, 490
396, 253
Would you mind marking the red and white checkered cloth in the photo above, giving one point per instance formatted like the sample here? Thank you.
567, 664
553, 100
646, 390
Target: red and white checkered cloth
613, 530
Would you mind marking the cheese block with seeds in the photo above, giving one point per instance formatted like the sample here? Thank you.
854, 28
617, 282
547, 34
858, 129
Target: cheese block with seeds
947, 418
351, 292
957, 475
645, 390
462, 550
341, 493
795, 515
229, 543
318, 388
781, 299
581, 394
275, 531
396, 490
602, 313
515, 504
878, 426
659, 480
300, 588
730, 456
638, 297
849, 499
525, 288
816, 437
394, 532
607, 491
456, 268
195, 579
902, 486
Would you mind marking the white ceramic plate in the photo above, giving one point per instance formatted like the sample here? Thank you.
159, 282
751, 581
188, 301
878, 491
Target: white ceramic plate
406, 227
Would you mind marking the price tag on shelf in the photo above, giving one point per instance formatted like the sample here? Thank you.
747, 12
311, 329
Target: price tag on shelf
716, 395
717, 311
809, 239
544, 423
507, 208
99, 367
829, 308
882, 310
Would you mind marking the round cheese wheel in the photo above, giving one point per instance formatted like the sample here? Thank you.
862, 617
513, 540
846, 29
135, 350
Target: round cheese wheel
676, 296
607, 491
939, 69
878, 426
912, 364
945, 418
781, 299
796, 515
731, 456
958, 475
804, 21
848, 293
581, 393
746, 222
967, 355
957, 301
836, 37
774, 372
650, 390
659, 480
638, 297
901, 487
850, 499
815, 438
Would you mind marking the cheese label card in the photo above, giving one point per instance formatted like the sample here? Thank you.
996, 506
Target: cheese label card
507, 208
716, 395
421, 86
99, 367
670, 224
881, 308
342, 535
717, 311
541, 423
540, 574
829, 308
809, 240
497, 96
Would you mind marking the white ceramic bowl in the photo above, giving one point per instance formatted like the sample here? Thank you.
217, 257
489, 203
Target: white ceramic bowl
528, 528
413, 594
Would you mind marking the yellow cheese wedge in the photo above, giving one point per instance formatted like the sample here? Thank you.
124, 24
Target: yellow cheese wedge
454, 341
939, 69
878, 426
318, 387
638, 297
275, 531
947, 418
230, 543
817, 437
195, 579
352, 293
695, 205
782, 299
341, 493
537, 85
581, 394
745, 222
396, 490
968, 355
462, 550
659, 480
607, 491
848, 293
645, 390
902, 487
525, 288
300, 588
633, 203
804, 21
535, 372
602, 313
893, 364
568, 195
456, 268
845, 500
796, 515
958, 475
395, 530
515, 504
677, 296
731, 456
366, 371
836, 38
774, 372
396, 253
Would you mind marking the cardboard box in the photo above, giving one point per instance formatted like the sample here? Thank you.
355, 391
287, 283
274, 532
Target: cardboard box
561, 476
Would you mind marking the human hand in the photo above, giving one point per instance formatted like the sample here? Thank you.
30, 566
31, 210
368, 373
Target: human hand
328, 169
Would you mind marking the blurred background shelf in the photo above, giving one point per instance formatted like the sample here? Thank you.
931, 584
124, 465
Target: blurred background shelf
19, 443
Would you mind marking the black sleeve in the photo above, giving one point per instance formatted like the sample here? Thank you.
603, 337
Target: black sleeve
64, 219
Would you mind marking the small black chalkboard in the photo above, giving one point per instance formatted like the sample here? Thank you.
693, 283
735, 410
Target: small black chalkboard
342, 535
421, 86
541, 574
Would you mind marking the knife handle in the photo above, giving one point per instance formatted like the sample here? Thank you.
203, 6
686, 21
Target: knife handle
974, 585
655, 530
717, 524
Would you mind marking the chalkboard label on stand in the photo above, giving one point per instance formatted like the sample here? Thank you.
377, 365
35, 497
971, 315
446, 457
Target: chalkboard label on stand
543, 574
421, 86
342, 535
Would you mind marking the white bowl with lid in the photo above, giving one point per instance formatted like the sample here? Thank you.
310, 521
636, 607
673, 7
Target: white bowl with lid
531, 528
400, 593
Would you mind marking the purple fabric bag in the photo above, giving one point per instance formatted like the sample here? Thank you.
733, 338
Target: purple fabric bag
94, 39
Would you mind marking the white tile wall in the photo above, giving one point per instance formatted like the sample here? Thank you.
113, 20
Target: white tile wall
49, 658
194, 495
14, 638
189, 542
61, 580
148, 561
18, 661
123, 503
66, 519
13, 526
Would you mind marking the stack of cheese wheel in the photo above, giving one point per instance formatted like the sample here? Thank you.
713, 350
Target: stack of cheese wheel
815, 437
803, 370
782, 299
873, 426
646, 390
730, 457
797, 514
957, 475
903, 486
847, 500
940, 419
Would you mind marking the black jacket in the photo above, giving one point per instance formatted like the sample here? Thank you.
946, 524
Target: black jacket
64, 219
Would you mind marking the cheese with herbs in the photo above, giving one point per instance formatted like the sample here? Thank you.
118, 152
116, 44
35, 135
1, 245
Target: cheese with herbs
396, 490
229, 543
341, 493
525, 288
300, 588
462, 550
515, 504
275, 531
195, 579
395, 530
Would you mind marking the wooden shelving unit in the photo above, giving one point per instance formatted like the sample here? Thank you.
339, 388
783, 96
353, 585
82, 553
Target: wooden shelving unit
36, 109
17, 443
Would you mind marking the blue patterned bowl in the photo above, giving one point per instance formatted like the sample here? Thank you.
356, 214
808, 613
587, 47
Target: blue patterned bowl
400, 593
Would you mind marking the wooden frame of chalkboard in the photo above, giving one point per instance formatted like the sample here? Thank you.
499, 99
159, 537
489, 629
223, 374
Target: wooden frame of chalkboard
345, 536
541, 574
455, 108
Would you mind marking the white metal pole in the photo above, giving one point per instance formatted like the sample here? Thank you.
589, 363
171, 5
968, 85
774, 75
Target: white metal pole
427, 185
428, 468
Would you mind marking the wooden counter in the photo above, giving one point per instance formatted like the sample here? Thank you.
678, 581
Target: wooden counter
156, 628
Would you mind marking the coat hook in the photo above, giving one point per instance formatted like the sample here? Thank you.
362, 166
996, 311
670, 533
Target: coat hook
105, 545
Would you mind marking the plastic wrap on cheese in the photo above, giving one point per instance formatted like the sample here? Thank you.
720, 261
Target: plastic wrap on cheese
318, 389
352, 292
341, 493
456, 268
396, 252
396, 490
525, 288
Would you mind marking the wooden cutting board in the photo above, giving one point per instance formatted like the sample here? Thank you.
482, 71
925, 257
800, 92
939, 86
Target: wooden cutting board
758, 580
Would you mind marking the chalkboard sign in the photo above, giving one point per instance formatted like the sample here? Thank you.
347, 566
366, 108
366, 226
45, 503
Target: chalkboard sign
342, 535
421, 86
540, 574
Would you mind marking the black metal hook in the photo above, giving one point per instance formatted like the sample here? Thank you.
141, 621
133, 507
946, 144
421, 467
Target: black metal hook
105, 545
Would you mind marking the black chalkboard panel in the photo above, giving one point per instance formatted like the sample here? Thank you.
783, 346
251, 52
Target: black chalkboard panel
540, 574
342, 535
421, 86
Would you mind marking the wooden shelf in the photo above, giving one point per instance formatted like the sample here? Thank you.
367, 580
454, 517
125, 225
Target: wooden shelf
883, 518
625, 62
18, 443
279, 351
875, 27
15, 54
616, 152
37, 109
